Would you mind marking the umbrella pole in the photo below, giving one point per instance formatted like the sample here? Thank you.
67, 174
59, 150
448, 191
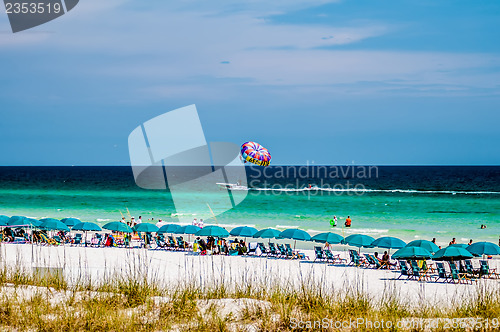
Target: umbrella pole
85, 238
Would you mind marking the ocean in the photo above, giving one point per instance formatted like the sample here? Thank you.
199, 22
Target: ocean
409, 202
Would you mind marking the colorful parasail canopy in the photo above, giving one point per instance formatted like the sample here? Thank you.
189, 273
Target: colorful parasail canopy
255, 153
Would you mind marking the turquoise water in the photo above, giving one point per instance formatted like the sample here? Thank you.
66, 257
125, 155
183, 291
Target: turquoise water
408, 215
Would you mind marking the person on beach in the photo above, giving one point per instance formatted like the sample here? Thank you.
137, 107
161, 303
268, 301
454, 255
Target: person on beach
453, 241
327, 245
386, 261
483, 226
433, 240
470, 242
348, 221
242, 248
200, 225
195, 222
333, 222
123, 220
139, 221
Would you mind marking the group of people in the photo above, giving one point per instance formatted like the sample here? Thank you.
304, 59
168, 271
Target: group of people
132, 221
199, 223
348, 221
219, 246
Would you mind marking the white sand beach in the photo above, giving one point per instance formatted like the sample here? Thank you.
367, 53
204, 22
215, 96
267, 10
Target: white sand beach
176, 268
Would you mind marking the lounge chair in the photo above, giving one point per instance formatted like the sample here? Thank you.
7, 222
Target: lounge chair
355, 260
318, 252
485, 270
181, 244
77, 239
457, 277
47, 240
404, 270
262, 248
272, 250
441, 272
469, 268
417, 272
333, 258
282, 250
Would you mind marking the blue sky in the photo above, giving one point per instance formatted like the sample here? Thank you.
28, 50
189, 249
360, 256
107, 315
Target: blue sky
329, 82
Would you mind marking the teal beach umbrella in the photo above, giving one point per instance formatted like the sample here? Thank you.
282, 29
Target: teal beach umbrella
188, 229
295, 234
169, 228
359, 240
32, 222
388, 242
118, 226
268, 233
329, 237
484, 248
215, 231
243, 231
86, 227
53, 225
430, 246
459, 245
412, 253
451, 253
4, 219
70, 222
146, 228
16, 221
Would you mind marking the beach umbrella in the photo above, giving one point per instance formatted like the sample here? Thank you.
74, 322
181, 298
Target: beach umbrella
295, 234
459, 245
412, 253
86, 226
169, 228
145, 228
388, 242
118, 226
430, 246
329, 237
4, 220
53, 225
32, 222
215, 231
16, 221
484, 248
188, 229
359, 240
243, 231
451, 253
268, 233
70, 222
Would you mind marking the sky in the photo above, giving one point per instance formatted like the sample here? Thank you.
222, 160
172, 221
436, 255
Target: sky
361, 82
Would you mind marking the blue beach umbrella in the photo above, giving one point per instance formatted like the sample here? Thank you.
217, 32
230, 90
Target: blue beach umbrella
268, 233
484, 248
188, 229
118, 226
86, 227
146, 228
295, 234
16, 221
243, 231
412, 253
169, 228
430, 246
53, 225
359, 240
70, 222
388, 242
215, 231
329, 237
451, 253
4, 219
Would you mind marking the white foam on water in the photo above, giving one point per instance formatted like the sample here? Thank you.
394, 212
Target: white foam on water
366, 190
102, 220
286, 226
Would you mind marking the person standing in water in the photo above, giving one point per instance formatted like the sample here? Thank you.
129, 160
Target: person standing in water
348, 221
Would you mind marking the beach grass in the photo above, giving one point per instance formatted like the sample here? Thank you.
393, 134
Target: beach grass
137, 300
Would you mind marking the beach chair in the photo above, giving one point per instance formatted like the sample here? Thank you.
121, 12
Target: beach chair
46, 240
272, 250
417, 272
354, 258
318, 252
404, 270
171, 243
333, 258
77, 240
281, 250
26, 238
262, 248
469, 268
441, 273
457, 277
181, 245
485, 270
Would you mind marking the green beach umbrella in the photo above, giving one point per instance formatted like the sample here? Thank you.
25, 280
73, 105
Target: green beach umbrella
359, 240
215, 231
53, 225
451, 253
169, 228
412, 253
329, 237
484, 248
388, 242
430, 246
188, 229
70, 222
86, 226
268, 233
117, 226
145, 228
243, 231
